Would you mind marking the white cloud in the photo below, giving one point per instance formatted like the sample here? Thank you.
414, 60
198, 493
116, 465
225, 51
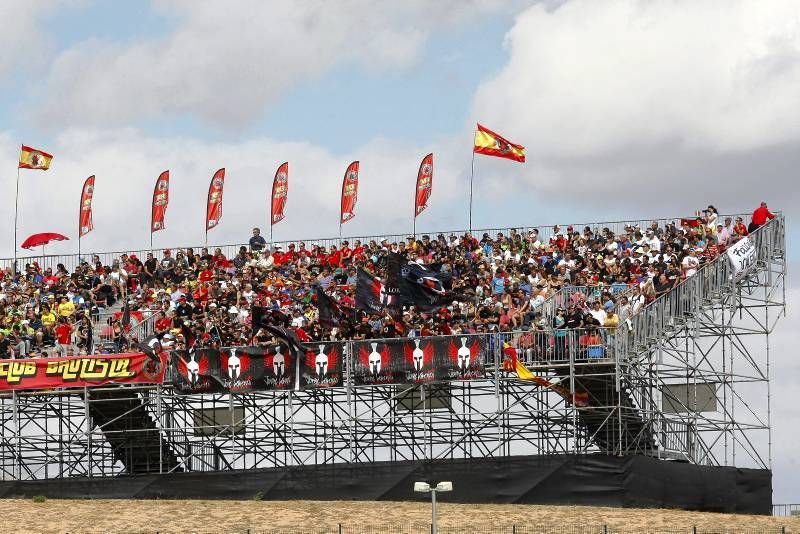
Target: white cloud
24, 43
226, 62
621, 103
590, 78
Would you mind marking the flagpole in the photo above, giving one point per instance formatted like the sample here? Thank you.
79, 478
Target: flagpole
471, 179
16, 212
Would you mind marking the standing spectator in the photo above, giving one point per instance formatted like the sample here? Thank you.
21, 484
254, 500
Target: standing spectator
64, 337
257, 242
760, 216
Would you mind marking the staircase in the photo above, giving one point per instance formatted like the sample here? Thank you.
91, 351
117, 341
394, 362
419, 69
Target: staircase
613, 421
133, 435
101, 340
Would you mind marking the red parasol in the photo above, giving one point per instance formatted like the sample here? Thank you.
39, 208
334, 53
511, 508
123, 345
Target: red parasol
40, 240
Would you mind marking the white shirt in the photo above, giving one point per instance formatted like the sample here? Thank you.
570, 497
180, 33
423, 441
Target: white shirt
690, 265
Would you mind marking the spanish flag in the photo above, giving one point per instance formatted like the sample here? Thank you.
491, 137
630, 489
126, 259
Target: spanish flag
512, 364
491, 144
31, 158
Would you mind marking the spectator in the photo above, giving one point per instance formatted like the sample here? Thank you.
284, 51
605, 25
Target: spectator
760, 216
257, 242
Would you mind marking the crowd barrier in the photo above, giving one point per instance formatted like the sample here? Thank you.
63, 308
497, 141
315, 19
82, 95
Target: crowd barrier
71, 261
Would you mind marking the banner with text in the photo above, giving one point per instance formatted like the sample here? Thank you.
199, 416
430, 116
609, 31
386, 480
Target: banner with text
80, 371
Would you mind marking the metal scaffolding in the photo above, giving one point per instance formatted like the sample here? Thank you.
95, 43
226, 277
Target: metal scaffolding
688, 381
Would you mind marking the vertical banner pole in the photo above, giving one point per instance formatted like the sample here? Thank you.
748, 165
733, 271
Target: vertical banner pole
16, 212
471, 179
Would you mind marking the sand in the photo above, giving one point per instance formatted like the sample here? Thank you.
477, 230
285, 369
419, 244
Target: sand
358, 517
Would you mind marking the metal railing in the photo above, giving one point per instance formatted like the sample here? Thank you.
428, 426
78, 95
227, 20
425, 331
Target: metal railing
786, 510
71, 261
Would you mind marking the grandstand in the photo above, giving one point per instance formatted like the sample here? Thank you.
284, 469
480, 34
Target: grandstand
654, 408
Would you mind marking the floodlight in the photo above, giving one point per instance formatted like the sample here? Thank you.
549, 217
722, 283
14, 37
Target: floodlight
422, 487
444, 486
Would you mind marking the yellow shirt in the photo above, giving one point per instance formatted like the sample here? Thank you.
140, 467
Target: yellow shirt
48, 318
66, 309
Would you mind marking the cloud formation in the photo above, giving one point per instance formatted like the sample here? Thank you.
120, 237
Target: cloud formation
225, 64
632, 101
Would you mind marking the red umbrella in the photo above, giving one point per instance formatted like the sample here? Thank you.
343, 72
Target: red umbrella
40, 240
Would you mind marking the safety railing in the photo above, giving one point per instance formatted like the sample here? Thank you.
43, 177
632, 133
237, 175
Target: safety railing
786, 510
71, 261
708, 284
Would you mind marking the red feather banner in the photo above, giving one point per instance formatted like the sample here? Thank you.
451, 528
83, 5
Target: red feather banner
160, 201
280, 193
424, 184
349, 193
214, 203
85, 224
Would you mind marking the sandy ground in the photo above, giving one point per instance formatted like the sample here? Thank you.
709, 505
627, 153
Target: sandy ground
356, 517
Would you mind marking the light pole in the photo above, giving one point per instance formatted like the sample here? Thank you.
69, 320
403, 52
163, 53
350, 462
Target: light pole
424, 487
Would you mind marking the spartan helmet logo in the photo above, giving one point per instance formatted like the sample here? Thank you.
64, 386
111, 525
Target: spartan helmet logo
89, 190
463, 355
281, 177
163, 185
321, 361
218, 183
352, 175
235, 366
278, 362
426, 169
418, 357
374, 360
156, 225
193, 369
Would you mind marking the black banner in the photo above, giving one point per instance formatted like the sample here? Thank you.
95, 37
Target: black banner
389, 361
323, 366
196, 371
378, 362
419, 361
233, 370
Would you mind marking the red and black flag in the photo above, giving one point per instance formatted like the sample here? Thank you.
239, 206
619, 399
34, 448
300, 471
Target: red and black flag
280, 193
349, 193
371, 295
425, 288
214, 203
424, 184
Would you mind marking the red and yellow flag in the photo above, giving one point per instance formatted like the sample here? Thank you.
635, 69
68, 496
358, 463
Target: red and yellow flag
31, 158
512, 364
489, 143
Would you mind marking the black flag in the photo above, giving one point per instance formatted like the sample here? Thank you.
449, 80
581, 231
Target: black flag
424, 288
371, 293
329, 310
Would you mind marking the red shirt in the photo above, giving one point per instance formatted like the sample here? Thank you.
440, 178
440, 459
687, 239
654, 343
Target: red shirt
335, 259
761, 215
64, 333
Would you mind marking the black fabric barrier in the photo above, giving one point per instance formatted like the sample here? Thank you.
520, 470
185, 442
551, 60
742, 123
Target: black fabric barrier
596, 480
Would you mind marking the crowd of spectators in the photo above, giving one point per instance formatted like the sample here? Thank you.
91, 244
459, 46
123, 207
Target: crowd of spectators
204, 298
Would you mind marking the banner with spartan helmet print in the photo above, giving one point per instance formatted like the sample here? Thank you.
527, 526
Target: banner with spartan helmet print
233, 369
323, 365
419, 360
